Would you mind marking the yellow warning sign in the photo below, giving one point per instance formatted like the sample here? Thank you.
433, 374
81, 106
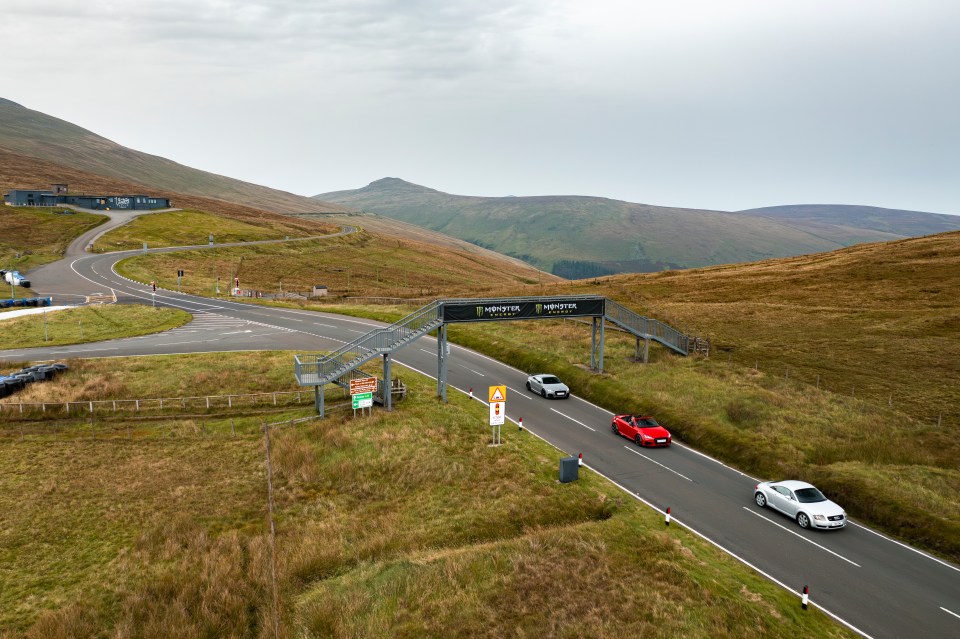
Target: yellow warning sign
498, 393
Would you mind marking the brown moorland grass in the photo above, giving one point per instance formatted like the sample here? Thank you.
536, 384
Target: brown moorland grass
36, 235
393, 525
359, 264
190, 228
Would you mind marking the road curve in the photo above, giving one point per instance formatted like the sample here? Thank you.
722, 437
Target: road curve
875, 585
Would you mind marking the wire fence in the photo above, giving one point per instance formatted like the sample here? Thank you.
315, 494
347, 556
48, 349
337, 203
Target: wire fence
156, 404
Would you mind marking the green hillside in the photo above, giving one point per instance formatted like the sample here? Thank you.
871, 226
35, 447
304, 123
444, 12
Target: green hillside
35, 134
615, 236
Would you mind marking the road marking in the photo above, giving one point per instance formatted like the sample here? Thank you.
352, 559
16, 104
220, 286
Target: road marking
637, 452
908, 547
324, 325
793, 532
519, 393
950, 612
473, 371
573, 420
235, 332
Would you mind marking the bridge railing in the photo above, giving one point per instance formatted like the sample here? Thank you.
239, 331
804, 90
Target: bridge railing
646, 327
321, 369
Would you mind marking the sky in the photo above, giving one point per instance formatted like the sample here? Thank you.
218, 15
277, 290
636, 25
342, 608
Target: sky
726, 105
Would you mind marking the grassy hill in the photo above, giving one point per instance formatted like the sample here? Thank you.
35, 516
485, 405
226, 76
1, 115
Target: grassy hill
34, 134
857, 224
576, 236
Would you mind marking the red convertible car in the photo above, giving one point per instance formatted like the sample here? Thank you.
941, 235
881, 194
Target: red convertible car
643, 429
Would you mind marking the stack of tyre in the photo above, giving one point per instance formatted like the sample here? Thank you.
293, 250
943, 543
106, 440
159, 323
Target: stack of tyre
10, 384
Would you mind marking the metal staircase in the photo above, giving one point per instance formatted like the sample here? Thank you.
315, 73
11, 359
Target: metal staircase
341, 365
646, 328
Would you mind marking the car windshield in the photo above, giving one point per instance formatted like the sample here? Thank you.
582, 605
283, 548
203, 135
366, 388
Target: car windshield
550, 379
646, 422
810, 496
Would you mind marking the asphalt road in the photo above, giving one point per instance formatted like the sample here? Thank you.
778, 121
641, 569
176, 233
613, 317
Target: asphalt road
876, 585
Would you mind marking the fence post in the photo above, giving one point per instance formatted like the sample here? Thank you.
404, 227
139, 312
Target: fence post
138, 405
208, 402
229, 401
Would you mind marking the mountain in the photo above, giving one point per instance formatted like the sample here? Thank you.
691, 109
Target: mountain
580, 236
34, 134
859, 222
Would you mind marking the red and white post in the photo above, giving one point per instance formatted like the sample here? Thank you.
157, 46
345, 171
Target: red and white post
806, 598
666, 519
471, 393
520, 424
580, 461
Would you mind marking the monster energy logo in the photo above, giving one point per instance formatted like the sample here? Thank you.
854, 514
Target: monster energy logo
479, 311
539, 309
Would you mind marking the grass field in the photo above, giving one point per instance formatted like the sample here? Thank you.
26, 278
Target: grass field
190, 228
33, 236
359, 264
87, 324
397, 525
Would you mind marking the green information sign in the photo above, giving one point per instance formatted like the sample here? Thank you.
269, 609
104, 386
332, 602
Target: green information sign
362, 400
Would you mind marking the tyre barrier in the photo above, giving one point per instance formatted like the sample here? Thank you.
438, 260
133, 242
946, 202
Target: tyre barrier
14, 382
26, 302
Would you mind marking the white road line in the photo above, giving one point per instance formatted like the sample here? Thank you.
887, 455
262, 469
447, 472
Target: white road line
474, 372
236, 332
950, 612
637, 452
796, 534
324, 325
519, 393
908, 547
573, 420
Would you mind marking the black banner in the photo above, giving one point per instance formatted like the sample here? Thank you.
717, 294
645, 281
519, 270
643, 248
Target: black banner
546, 308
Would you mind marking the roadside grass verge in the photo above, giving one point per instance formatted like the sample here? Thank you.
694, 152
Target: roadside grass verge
397, 524
192, 227
87, 324
39, 235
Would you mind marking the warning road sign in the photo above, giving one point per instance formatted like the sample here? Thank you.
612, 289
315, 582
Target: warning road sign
498, 393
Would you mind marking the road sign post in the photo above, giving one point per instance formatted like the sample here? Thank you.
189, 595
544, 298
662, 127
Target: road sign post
498, 410
361, 392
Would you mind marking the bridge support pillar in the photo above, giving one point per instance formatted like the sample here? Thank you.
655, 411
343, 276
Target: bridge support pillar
387, 383
318, 399
596, 346
442, 362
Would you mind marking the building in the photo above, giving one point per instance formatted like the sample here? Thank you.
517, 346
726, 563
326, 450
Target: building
59, 196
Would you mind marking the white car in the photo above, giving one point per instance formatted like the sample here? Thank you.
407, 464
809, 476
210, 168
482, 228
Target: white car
800, 501
548, 386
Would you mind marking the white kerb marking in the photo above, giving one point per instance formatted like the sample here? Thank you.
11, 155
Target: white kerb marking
798, 535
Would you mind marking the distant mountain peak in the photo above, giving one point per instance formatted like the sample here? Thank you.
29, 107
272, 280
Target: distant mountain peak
6, 101
392, 184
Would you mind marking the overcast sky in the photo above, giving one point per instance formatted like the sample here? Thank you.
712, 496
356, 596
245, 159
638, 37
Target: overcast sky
723, 104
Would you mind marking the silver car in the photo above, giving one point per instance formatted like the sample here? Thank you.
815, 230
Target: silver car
548, 386
800, 501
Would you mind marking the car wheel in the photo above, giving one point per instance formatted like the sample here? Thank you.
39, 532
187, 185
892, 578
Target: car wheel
761, 500
616, 431
638, 440
803, 521
543, 393
528, 386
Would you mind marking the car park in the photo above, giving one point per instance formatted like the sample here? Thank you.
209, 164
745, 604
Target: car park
801, 502
548, 386
642, 429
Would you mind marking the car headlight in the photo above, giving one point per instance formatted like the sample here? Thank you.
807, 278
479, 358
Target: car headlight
819, 517
646, 436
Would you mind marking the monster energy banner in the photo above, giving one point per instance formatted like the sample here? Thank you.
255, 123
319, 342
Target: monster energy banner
545, 308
